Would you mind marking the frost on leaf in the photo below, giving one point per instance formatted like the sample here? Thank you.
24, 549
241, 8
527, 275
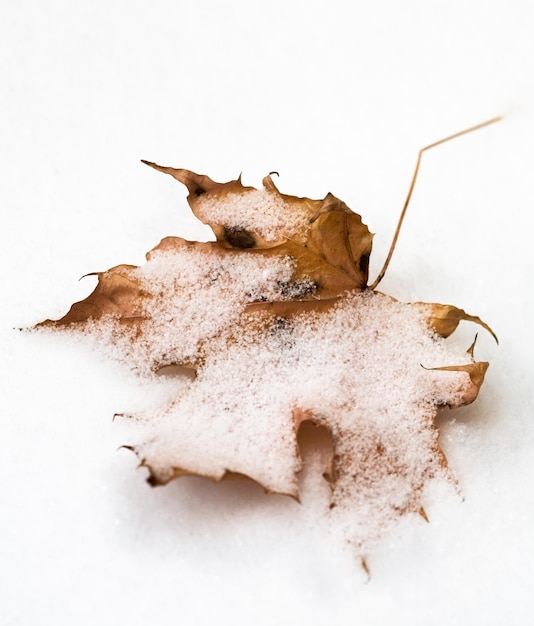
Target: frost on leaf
277, 323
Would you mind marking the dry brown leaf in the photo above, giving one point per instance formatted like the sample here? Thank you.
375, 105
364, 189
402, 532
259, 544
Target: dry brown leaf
279, 325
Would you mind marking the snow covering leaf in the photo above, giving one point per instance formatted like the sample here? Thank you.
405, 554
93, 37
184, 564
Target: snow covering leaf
278, 323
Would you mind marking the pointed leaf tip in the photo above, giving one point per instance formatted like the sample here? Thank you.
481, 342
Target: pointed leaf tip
444, 319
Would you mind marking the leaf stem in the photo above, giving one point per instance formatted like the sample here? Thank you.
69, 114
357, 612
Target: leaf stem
412, 185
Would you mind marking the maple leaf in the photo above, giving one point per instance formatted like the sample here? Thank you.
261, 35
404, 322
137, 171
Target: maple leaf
279, 326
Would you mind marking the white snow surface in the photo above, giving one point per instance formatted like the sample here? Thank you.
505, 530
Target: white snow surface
336, 98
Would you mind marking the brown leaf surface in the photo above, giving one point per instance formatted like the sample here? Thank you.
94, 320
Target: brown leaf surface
445, 319
278, 322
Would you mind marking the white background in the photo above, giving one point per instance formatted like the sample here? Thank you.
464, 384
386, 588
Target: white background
336, 96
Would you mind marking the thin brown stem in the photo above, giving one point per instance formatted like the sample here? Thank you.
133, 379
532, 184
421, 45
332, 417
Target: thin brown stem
412, 185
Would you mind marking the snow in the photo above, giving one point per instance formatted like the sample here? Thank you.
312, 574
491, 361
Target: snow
355, 370
196, 293
335, 98
259, 210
